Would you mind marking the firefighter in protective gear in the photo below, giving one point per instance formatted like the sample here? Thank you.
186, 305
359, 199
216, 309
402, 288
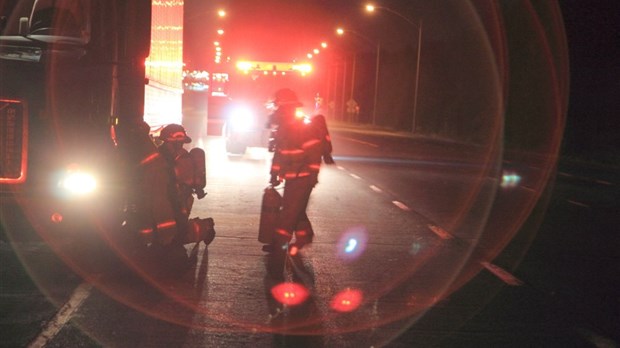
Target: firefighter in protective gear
148, 212
186, 178
299, 149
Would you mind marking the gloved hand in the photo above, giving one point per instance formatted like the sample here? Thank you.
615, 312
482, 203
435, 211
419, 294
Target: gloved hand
328, 159
200, 193
274, 181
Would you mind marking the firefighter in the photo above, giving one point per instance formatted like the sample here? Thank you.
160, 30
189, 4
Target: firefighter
299, 149
186, 179
163, 180
149, 212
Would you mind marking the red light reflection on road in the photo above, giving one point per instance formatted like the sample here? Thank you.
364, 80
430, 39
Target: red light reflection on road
347, 300
290, 294
56, 218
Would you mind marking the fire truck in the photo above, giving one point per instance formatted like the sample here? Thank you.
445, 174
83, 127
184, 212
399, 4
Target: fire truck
77, 80
241, 104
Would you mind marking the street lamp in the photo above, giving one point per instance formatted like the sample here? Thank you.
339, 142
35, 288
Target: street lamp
221, 14
340, 32
371, 8
201, 15
315, 51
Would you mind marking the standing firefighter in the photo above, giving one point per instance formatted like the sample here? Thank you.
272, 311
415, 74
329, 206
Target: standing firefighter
299, 147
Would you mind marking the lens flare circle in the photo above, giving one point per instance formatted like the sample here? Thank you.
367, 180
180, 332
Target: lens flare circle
378, 258
352, 243
347, 300
290, 294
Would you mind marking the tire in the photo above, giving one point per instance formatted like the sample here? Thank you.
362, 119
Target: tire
235, 148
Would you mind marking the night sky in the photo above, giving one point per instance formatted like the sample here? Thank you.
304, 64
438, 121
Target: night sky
254, 29
593, 33
592, 30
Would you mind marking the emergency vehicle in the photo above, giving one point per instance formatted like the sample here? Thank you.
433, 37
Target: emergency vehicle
242, 103
78, 78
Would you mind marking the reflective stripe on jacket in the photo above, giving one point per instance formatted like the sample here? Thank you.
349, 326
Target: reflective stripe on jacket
299, 149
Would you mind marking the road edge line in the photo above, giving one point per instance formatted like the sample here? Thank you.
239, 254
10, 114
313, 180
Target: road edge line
63, 316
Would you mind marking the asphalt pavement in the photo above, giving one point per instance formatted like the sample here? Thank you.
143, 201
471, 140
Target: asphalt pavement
554, 284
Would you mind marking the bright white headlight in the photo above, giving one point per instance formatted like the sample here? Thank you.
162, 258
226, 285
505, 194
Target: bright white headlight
242, 118
79, 183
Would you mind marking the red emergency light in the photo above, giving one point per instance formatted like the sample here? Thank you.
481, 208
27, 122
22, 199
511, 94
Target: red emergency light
275, 67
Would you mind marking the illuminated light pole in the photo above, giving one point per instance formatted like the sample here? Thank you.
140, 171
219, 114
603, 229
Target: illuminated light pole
315, 51
341, 32
371, 8
201, 15
315, 54
219, 13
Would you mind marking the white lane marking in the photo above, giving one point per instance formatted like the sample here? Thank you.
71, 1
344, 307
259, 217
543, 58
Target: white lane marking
443, 234
360, 141
354, 176
602, 182
63, 316
375, 188
401, 205
528, 188
578, 203
596, 339
340, 167
502, 274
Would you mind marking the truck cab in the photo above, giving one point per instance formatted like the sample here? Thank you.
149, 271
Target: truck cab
72, 72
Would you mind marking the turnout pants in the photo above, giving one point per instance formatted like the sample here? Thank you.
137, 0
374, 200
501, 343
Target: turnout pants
293, 218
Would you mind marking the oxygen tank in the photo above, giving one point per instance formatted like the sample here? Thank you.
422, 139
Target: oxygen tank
270, 210
200, 174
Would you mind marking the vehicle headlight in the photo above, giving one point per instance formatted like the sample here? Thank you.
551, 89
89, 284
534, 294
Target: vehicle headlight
242, 118
78, 183
300, 114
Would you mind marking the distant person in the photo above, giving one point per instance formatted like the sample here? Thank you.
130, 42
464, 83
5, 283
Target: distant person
299, 148
353, 109
318, 104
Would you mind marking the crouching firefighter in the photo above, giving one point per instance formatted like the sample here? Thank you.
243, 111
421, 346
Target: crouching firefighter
299, 149
160, 195
187, 178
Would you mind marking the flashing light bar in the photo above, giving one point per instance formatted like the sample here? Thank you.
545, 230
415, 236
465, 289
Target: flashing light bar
303, 68
275, 67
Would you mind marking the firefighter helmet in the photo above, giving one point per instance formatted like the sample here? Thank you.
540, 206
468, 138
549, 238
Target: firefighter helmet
286, 96
174, 133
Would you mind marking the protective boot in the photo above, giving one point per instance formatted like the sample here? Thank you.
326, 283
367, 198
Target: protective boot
200, 230
209, 230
